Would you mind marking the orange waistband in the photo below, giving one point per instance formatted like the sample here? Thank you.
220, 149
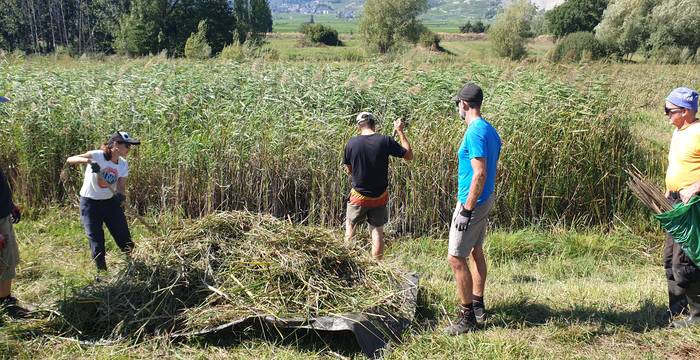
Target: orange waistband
365, 201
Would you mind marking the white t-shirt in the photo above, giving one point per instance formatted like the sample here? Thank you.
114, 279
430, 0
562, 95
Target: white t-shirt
99, 189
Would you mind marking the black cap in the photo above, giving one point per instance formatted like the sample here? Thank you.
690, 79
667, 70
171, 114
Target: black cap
470, 92
123, 136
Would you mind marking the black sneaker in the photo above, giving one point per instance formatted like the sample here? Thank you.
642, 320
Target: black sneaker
465, 322
10, 306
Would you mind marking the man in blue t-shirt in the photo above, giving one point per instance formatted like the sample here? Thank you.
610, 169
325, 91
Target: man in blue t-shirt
478, 157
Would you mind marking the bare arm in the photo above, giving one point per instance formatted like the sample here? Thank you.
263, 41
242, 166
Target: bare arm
688, 192
398, 128
80, 159
121, 185
348, 169
478, 181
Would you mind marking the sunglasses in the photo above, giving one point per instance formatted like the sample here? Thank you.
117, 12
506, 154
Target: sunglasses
669, 111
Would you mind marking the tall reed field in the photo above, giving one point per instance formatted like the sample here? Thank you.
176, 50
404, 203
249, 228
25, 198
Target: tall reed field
269, 137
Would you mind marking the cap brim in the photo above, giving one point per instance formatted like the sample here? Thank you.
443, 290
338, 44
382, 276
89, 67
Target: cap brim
133, 142
4, 99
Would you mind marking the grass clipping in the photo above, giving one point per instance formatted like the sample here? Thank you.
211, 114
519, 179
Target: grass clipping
228, 266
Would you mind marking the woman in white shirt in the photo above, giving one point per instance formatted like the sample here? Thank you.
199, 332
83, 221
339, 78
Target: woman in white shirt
102, 194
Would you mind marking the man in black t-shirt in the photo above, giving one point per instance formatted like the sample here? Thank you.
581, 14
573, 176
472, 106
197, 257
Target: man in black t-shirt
366, 159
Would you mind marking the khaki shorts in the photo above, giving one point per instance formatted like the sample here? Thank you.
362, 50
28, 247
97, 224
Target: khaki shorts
461, 243
9, 255
376, 216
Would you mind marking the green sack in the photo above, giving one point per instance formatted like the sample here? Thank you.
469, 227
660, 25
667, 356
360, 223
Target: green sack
683, 223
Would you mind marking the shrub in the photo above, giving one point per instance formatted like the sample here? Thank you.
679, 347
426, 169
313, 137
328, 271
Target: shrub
386, 23
320, 34
578, 46
476, 27
233, 51
509, 32
196, 46
430, 40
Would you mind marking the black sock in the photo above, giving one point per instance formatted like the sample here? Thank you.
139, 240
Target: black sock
478, 301
468, 307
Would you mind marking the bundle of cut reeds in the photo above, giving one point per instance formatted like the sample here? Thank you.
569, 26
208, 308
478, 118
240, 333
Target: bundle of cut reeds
647, 192
229, 266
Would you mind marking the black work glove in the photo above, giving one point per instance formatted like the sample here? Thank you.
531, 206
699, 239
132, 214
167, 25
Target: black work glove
119, 198
95, 167
463, 219
16, 214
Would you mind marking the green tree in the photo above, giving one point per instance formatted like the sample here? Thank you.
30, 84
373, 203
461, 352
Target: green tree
676, 24
386, 22
260, 17
139, 31
626, 25
511, 28
575, 15
241, 13
196, 46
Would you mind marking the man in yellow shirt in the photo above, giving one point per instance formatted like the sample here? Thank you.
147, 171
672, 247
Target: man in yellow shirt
682, 183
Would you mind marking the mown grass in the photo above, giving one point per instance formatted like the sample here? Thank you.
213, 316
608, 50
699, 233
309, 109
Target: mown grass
552, 294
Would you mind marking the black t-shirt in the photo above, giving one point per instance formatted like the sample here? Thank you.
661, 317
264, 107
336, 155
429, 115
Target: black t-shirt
368, 155
5, 196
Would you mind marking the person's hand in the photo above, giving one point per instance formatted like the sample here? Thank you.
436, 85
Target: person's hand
95, 167
16, 214
119, 198
399, 125
687, 193
463, 219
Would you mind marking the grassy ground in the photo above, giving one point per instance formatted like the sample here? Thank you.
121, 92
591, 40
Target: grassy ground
290, 22
553, 294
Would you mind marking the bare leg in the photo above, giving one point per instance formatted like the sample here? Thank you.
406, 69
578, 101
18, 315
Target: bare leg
463, 278
349, 231
5, 288
377, 233
477, 265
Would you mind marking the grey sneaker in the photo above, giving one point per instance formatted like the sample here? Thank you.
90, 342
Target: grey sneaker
465, 322
480, 314
687, 322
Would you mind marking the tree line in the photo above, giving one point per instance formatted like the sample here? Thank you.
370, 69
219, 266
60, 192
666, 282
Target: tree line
134, 27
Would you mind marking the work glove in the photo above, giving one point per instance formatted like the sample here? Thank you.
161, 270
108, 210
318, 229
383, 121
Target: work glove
463, 219
16, 214
95, 167
119, 198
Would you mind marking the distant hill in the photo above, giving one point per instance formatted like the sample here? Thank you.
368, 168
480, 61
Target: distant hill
474, 9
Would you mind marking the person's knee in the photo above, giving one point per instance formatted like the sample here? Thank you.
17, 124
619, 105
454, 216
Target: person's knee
457, 263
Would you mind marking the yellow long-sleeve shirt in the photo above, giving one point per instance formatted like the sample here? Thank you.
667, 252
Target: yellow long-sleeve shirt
684, 158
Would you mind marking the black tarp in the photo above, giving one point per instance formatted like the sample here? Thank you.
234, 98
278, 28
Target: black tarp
372, 329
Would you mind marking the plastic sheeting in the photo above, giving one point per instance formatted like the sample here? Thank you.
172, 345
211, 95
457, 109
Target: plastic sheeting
683, 223
373, 329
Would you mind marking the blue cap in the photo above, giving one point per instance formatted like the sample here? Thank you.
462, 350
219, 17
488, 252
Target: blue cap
684, 97
4, 99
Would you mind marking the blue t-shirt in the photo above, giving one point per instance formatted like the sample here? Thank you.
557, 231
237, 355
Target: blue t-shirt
480, 141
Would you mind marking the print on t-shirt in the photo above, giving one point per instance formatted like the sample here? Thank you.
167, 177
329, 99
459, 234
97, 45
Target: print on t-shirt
110, 177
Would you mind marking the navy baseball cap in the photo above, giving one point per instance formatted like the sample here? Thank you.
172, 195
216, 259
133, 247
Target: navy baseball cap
123, 136
470, 92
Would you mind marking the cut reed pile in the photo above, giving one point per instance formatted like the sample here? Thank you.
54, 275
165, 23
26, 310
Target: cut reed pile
647, 192
229, 266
